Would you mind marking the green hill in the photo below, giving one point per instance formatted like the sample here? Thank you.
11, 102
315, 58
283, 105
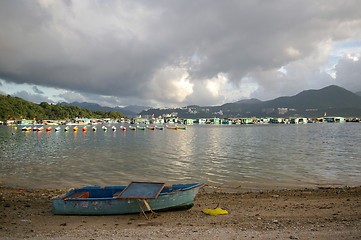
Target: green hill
14, 107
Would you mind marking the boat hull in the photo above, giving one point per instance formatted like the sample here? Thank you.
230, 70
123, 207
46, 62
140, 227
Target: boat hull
181, 197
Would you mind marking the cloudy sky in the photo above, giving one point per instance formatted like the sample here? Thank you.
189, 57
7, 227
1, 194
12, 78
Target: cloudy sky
176, 53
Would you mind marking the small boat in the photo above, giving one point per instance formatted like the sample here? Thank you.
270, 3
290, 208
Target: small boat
182, 127
66, 129
26, 129
84, 129
104, 128
123, 128
94, 128
114, 129
159, 127
35, 129
40, 129
132, 128
151, 128
51, 123
75, 129
97, 200
48, 129
57, 129
140, 128
172, 127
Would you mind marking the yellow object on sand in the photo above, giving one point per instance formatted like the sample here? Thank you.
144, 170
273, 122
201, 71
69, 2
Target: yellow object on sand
214, 212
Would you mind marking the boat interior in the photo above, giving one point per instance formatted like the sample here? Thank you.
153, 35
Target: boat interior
111, 192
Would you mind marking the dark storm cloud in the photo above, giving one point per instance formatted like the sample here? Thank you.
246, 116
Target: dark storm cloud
126, 48
348, 72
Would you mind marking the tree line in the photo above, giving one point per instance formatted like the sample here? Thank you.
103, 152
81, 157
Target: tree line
16, 108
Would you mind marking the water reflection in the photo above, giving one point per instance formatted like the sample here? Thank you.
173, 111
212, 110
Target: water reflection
229, 155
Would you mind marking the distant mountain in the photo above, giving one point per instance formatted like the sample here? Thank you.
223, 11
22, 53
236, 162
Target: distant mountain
328, 97
249, 101
129, 111
134, 108
332, 100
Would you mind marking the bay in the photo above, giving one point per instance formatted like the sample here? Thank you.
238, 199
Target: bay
244, 156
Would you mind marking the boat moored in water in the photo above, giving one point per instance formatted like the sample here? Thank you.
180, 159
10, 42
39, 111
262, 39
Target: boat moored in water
151, 128
26, 129
172, 127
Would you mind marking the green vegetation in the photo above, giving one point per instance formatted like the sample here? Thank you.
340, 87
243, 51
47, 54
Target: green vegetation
14, 107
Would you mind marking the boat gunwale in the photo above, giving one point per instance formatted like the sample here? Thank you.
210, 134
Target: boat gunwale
64, 196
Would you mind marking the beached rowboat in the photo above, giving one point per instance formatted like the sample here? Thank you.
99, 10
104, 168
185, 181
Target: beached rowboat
96, 200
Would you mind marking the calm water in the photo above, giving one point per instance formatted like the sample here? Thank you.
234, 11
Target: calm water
230, 156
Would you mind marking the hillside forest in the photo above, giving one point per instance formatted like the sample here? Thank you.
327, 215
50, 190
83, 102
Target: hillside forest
16, 108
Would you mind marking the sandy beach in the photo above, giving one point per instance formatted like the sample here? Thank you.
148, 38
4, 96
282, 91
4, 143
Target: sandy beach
321, 213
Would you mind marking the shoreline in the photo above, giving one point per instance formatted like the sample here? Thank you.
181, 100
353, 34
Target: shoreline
267, 214
229, 187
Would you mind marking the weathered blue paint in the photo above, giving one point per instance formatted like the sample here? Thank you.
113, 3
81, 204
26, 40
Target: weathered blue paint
104, 201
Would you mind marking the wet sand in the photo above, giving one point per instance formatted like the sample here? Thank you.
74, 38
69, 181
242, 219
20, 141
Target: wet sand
323, 213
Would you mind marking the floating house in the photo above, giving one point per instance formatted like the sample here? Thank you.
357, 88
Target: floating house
298, 120
25, 122
248, 120
214, 121
334, 119
188, 121
80, 121
277, 120
201, 121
